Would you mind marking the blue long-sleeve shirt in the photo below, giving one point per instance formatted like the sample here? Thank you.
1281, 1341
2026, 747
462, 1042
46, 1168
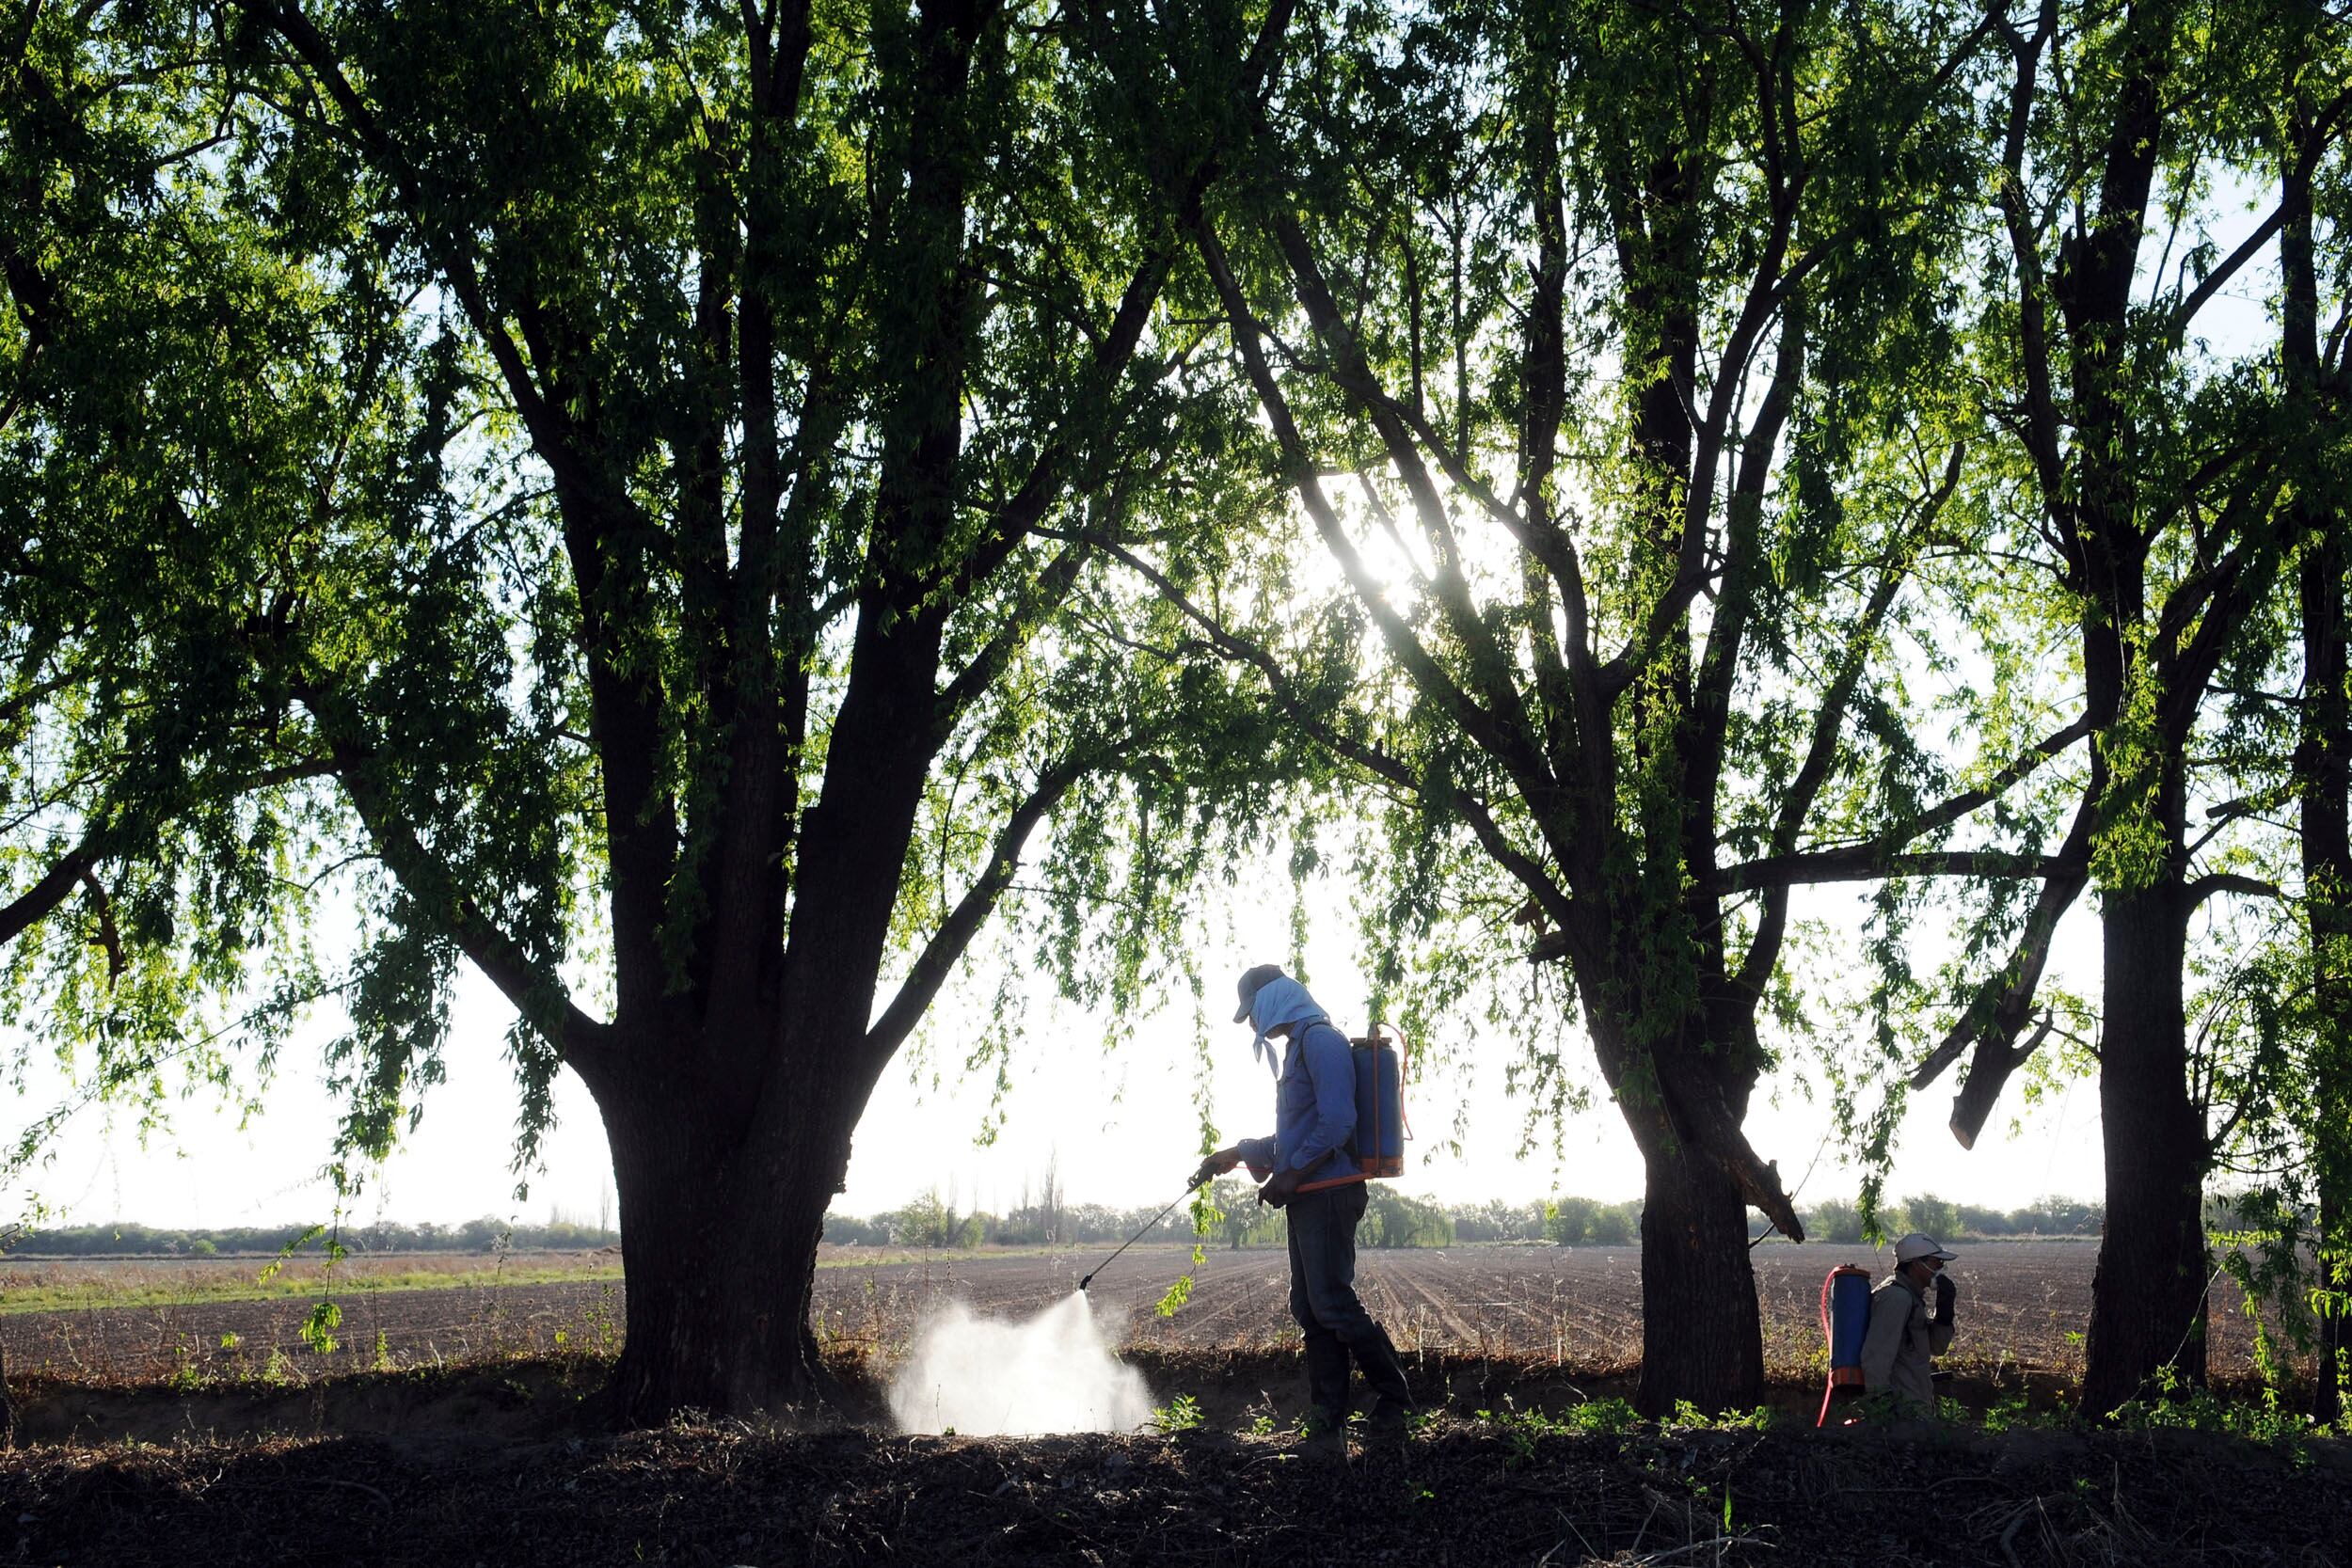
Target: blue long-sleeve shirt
1314, 1108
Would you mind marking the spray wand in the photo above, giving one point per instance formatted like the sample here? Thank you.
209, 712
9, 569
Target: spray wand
1146, 1230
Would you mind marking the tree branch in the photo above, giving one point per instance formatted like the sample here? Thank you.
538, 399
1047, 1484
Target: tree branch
1053, 585
35, 903
537, 994
932, 966
2176, 325
1998, 1010
1421, 666
1373, 759
2217, 882
1878, 857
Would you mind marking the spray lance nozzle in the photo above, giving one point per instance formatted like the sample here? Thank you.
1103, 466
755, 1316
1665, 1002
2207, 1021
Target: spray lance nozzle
1148, 1227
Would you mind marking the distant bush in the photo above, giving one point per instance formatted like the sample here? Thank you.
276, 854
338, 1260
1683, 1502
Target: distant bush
1393, 1220
1498, 1221
1839, 1220
1587, 1222
1927, 1212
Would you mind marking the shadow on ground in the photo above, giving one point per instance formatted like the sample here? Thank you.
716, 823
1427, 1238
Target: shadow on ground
514, 1464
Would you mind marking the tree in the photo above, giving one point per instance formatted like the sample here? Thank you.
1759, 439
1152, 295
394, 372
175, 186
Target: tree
2156, 484
2319, 474
1938, 1217
1395, 1220
1439, 235
1246, 1222
678, 618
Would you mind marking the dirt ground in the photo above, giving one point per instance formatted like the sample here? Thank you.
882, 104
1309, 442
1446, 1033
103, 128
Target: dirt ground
473, 1431
1466, 1492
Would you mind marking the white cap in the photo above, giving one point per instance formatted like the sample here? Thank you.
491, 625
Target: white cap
1915, 1247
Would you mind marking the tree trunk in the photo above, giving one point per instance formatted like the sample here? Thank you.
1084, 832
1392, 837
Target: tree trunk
720, 1251
1702, 1340
2148, 1298
2323, 765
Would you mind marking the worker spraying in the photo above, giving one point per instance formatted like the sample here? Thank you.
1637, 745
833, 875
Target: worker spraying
1899, 1351
1306, 1169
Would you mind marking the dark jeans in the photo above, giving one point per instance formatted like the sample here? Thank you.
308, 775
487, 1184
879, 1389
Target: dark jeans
1322, 1299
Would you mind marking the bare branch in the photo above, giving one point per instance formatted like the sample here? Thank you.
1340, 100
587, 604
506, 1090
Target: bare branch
2229, 882
937, 960
1880, 857
50, 890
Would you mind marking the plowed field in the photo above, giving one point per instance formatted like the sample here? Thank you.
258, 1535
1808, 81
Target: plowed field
2022, 1306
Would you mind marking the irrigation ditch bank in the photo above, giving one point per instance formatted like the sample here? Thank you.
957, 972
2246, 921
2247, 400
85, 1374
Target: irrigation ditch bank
1467, 1490
539, 1398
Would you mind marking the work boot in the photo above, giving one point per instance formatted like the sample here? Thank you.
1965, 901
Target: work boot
1324, 1443
1388, 1424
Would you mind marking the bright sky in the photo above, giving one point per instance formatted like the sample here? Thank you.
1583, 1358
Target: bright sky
1119, 1123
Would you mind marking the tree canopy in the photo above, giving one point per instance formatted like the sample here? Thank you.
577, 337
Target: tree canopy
669, 505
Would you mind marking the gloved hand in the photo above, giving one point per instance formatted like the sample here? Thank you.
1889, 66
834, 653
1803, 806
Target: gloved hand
1945, 1293
1283, 1188
1212, 1167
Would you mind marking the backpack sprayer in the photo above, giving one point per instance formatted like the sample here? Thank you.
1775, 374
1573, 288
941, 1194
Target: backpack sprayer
1844, 1323
1376, 1145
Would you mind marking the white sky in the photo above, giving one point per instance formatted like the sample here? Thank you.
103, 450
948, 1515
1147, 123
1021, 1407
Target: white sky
1119, 1123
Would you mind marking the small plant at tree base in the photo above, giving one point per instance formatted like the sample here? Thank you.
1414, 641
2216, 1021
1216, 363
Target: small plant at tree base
2009, 1413
1181, 1414
2180, 1406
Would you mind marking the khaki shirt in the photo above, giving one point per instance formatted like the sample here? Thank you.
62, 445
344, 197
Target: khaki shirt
1898, 1354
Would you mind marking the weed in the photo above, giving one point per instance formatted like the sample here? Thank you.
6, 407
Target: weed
186, 1376
1181, 1414
2180, 1406
2010, 1413
318, 1329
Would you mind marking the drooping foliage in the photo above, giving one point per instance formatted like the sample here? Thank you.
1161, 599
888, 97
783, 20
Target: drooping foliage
669, 503
1602, 349
648, 458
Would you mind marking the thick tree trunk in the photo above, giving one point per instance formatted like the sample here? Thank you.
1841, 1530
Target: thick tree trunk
2324, 770
720, 1251
1702, 1340
2148, 1298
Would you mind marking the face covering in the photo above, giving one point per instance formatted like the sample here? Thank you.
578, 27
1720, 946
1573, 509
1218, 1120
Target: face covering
1279, 1001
